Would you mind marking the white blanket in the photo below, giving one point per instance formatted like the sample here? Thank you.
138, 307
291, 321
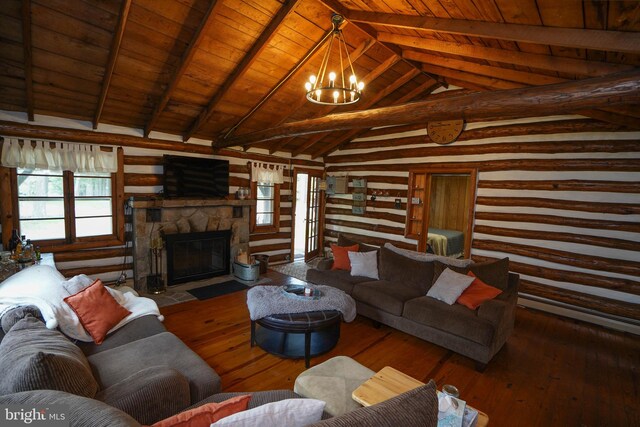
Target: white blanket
43, 286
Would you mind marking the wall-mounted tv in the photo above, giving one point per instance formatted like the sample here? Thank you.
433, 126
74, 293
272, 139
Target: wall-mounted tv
195, 177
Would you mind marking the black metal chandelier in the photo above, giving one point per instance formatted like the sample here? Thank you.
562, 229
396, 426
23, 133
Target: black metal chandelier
329, 87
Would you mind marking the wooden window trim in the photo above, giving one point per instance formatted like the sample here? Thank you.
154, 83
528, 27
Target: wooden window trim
257, 229
10, 216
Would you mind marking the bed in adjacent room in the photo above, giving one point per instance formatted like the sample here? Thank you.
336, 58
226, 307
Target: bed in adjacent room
446, 242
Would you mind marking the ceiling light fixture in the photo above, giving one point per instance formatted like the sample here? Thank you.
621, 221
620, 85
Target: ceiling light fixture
324, 88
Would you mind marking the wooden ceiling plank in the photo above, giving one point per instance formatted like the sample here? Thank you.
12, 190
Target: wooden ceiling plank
545, 62
28, 57
580, 38
113, 57
259, 45
184, 63
616, 89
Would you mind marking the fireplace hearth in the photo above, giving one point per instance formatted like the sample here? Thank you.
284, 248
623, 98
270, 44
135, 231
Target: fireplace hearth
195, 256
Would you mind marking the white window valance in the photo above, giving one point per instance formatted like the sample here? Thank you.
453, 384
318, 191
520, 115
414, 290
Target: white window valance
267, 173
58, 156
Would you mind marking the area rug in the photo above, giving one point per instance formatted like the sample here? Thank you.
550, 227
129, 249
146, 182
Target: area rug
297, 269
217, 289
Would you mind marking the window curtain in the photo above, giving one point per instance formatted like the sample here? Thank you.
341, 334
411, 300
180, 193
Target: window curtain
62, 156
267, 173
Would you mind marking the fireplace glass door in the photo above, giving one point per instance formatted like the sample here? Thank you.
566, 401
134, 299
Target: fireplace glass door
195, 256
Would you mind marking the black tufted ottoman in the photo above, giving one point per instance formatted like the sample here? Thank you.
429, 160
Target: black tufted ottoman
297, 335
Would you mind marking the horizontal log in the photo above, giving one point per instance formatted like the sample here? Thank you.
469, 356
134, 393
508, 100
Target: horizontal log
518, 148
269, 248
578, 299
376, 204
569, 205
561, 257
560, 98
398, 231
618, 165
374, 241
142, 179
278, 258
594, 280
143, 160
268, 236
93, 270
61, 248
633, 227
565, 185
583, 239
92, 254
368, 214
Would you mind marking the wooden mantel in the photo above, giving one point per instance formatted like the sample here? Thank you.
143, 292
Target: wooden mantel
189, 203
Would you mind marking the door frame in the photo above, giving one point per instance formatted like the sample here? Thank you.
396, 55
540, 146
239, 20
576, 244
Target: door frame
320, 173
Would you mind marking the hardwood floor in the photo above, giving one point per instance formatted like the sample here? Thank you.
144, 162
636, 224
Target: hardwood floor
552, 372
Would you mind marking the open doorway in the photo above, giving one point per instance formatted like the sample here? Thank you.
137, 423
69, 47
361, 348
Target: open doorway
306, 224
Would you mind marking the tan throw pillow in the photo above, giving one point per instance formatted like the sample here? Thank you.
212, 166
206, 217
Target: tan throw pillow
33, 357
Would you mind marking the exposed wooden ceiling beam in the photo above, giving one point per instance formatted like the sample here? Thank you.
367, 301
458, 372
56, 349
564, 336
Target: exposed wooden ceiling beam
111, 62
357, 53
485, 70
182, 66
28, 57
493, 82
545, 62
611, 90
325, 148
579, 38
242, 67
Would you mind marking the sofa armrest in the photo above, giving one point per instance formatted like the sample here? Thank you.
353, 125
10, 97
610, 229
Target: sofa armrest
493, 310
150, 395
325, 264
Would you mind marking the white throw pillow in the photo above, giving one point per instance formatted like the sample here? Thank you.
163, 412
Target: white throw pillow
284, 413
449, 286
364, 264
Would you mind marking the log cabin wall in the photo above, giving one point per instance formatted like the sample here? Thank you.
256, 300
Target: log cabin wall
559, 196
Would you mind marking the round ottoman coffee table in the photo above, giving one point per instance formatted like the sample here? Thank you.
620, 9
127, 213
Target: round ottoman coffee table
297, 335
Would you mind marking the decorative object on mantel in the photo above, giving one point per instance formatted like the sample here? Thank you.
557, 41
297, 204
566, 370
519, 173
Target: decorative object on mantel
324, 89
359, 196
445, 131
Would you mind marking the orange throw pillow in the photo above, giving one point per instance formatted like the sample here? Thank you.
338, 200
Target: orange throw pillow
341, 257
477, 293
204, 415
97, 310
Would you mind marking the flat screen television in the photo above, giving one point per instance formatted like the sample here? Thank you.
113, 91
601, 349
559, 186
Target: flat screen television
195, 177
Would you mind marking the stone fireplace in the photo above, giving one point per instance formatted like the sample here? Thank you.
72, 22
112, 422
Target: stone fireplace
154, 220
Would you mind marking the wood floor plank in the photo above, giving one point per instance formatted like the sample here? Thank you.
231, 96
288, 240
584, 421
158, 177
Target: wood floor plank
553, 371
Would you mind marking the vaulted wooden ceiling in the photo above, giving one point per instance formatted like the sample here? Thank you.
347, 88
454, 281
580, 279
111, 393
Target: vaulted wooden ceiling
222, 69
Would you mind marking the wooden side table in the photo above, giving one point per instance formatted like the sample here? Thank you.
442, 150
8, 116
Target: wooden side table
390, 382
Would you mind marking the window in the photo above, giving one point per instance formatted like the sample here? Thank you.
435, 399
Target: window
65, 206
267, 217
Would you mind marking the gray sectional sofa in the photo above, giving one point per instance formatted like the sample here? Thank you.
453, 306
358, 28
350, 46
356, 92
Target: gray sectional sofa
398, 299
142, 374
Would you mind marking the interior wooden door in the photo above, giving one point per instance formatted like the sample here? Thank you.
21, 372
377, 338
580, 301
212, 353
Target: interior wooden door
313, 223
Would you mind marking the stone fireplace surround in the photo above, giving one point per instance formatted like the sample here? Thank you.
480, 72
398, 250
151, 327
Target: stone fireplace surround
183, 216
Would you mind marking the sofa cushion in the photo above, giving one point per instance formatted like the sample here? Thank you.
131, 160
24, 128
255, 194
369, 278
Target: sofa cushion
364, 264
80, 411
345, 241
97, 310
493, 273
417, 407
449, 286
455, 319
341, 257
164, 349
340, 279
396, 268
426, 257
385, 295
33, 357
14, 315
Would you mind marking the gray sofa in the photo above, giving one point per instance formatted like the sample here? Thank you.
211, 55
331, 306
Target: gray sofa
142, 374
398, 299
